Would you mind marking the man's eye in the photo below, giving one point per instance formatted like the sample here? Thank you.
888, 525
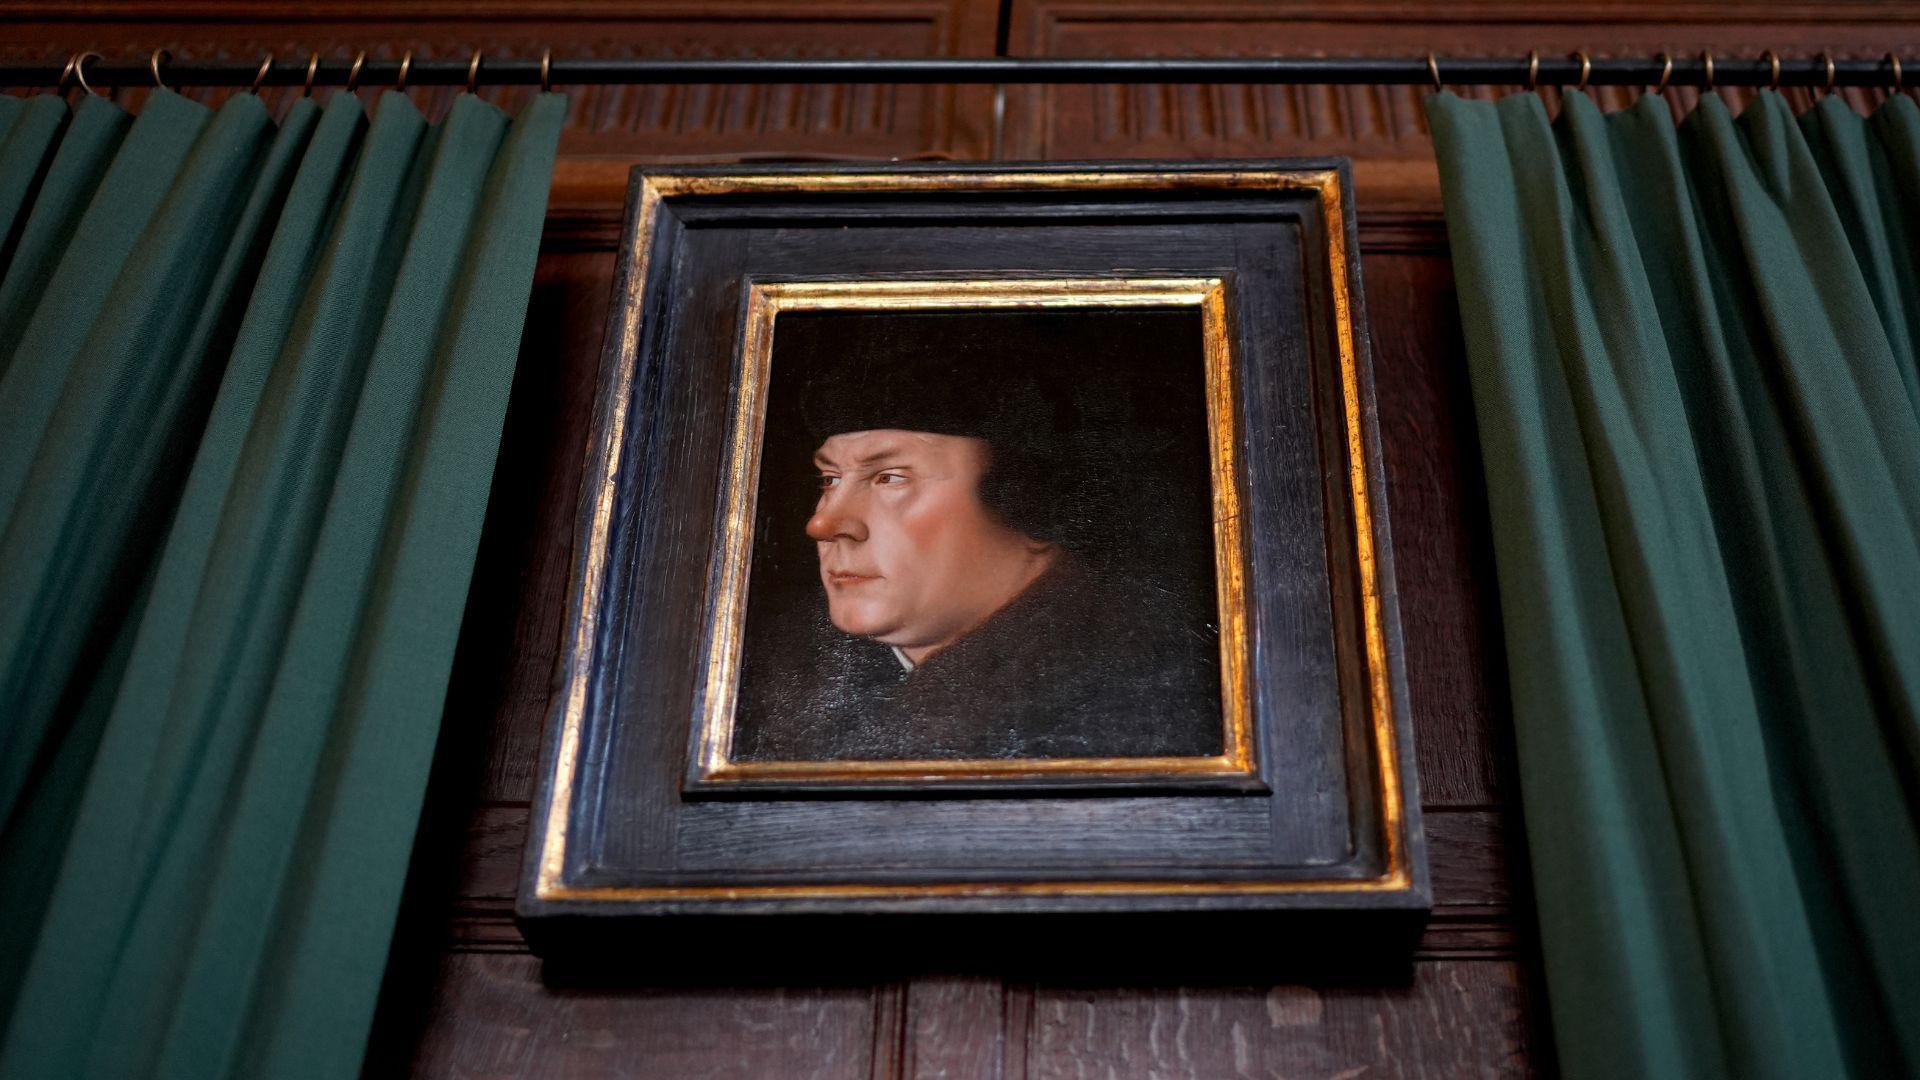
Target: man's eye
890, 478
829, 481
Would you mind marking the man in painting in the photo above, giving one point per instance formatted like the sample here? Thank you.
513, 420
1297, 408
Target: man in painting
965, 622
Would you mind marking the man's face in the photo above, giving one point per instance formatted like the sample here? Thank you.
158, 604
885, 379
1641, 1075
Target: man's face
909, 554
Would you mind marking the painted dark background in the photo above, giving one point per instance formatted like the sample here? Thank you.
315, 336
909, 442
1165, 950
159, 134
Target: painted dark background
1125, 489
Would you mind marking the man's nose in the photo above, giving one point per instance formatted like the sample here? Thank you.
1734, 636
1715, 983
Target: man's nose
837, 515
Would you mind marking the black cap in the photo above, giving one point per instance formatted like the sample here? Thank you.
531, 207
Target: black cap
949, 374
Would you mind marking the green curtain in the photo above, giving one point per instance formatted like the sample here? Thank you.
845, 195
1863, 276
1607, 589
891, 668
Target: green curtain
1692, 354
252, 380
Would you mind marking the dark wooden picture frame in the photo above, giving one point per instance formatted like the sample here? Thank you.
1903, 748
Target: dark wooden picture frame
641, 814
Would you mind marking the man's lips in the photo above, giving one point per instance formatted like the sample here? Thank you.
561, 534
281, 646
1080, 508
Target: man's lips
847, 577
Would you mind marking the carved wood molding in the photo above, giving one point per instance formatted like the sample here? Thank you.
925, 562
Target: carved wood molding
862, 121
1383, 128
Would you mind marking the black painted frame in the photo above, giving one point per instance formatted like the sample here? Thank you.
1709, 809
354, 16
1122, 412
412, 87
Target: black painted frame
1333, 831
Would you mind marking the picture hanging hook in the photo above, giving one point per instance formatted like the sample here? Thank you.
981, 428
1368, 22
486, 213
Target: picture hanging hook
1433, 69
153, 64
313, 66
260, 77
80, 71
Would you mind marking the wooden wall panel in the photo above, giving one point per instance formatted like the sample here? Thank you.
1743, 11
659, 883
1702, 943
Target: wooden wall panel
1382, 127
1451, 1020
656, 122
491, 1016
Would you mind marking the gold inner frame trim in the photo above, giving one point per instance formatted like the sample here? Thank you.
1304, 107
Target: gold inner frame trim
728, 609
590, 579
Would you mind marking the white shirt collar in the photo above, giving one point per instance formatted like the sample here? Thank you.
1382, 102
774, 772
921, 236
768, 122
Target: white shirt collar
901, 655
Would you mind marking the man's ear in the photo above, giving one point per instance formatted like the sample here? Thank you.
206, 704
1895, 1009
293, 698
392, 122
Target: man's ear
1041, 547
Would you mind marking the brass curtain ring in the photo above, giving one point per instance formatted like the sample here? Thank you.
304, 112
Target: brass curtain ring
1891, 59
260, 77
153, 64
1831, 72
1773, 58
546, 71
80, 71
1706, 60
1586, 69
406, 65
353, 73
1666, 73
473, 71
313, 67
1533, 69
60, 84
1433, 69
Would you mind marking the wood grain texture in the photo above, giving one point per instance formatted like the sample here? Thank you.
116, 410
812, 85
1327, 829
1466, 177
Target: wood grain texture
1451, 1020
956, 1028
494, 1016
1449, 606
1471, 852
1383, 127
662, 122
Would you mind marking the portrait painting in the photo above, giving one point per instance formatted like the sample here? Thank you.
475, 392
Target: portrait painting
985, 540
982, 535
979, 534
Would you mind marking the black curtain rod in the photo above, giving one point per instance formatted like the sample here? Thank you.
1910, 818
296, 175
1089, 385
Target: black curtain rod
1453, 71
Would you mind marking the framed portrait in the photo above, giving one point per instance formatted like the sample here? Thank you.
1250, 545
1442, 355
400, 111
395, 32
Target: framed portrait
986, 541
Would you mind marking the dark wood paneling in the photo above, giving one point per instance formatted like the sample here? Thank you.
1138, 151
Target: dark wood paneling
956, 1026
1451, 1020
492, 1016
659, 122
504, 672
1442, 555
1382, 127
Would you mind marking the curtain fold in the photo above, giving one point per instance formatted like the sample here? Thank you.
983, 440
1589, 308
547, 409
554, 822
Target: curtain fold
1692, 361
259, 379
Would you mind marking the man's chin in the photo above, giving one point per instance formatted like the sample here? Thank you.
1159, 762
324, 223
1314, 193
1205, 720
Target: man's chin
861, 624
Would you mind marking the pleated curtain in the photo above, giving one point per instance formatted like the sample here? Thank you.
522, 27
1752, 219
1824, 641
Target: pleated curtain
252, 381
1692, 356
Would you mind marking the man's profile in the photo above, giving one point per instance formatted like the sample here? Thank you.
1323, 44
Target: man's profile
977, 589
909, 555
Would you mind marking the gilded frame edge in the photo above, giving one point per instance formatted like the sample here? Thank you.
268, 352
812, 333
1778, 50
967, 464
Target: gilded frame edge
713, 769
548, 860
